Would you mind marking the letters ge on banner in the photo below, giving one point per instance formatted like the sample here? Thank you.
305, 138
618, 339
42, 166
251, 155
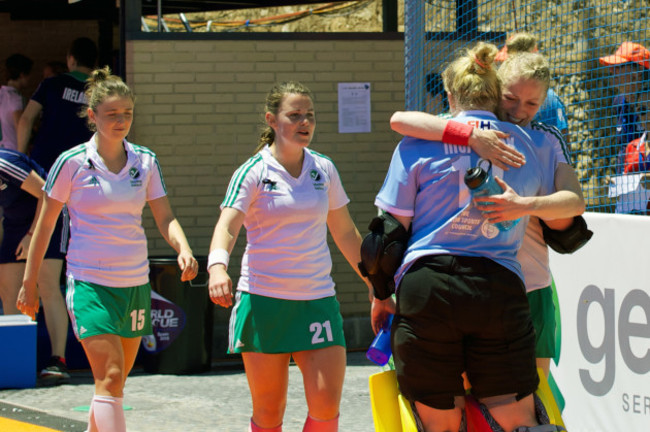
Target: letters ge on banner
634, 300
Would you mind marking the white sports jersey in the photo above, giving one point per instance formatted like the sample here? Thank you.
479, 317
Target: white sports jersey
107, 245
286, 254
533, 254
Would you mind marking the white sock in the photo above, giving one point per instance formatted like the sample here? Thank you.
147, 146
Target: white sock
108, 414
92, 426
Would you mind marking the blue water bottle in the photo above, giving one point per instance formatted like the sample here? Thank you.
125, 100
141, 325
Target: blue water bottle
481, 183
379, 351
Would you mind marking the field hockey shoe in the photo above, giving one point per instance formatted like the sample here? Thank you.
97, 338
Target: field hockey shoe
56, 371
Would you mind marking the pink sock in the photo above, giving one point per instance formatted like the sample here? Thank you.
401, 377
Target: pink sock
313, 425
108, 414
252, 427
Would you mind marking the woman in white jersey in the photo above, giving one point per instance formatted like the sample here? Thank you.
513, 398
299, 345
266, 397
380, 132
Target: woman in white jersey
286, 196
105, 184
525, 81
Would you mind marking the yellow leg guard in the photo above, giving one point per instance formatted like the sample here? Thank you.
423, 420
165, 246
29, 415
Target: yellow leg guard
406, 414
546, 396
391, 412
383, 400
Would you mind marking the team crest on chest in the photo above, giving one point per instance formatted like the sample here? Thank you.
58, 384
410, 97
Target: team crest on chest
316, 177
135, 175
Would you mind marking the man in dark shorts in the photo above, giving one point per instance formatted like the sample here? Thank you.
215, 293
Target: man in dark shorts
21, 181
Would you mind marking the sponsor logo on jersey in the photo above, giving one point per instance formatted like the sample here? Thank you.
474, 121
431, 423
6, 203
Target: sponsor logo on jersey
135, 174
488, 230
481, 124
82, 330
316, 177
239, 344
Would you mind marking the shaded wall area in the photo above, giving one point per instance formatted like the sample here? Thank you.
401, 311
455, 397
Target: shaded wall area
42, 41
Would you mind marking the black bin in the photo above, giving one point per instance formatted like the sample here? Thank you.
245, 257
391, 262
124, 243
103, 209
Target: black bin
182, 318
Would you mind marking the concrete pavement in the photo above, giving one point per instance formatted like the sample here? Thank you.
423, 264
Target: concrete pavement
214, 401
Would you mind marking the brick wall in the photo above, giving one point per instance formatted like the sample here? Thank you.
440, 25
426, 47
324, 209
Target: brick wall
199, 108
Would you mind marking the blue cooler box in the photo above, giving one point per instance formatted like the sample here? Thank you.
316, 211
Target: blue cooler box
18, 359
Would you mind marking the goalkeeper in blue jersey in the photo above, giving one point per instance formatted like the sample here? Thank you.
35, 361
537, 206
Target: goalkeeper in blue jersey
525, 78
461, 303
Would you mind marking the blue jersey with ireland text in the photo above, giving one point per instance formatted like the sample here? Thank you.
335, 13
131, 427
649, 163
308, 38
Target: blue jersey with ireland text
62, 98
425, 182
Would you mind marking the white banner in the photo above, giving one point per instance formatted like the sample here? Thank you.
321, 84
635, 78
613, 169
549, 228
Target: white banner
603, 291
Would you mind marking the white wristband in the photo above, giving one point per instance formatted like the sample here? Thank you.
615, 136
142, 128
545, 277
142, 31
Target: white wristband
218, 256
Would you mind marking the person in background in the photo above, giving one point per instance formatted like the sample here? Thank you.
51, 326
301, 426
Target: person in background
287, 196
19, 69
437, 95
54, 68
460, 276
552, 112
629, 67
12, 103
105, 184
21, 197
637, 156
637, 162
59, 99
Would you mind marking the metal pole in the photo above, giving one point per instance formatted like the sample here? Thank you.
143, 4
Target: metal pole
186, 23
159, 6
414, 46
